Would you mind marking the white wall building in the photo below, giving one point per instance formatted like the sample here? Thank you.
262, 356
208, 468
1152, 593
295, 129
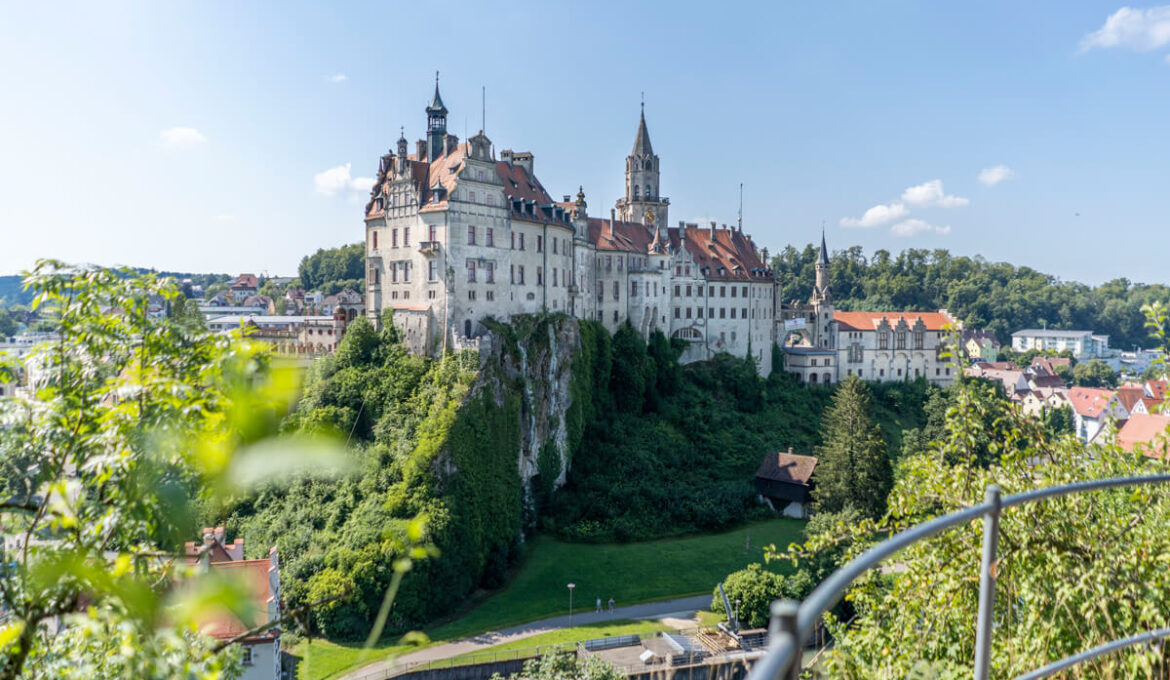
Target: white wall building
455, 236
1083, 344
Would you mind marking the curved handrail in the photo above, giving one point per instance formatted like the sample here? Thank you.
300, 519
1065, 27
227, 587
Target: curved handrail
1107, 648
786, 639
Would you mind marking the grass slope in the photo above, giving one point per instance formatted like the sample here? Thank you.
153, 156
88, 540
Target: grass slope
630, 573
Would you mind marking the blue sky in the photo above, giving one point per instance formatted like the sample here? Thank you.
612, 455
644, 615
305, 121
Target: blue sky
215, 136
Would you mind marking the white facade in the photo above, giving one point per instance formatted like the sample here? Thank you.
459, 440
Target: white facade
455, 237
1083, 344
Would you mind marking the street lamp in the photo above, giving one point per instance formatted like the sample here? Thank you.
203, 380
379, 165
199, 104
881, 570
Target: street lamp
571, 587
737, 614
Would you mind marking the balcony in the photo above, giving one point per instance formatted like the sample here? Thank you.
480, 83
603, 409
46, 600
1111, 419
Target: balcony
428, 248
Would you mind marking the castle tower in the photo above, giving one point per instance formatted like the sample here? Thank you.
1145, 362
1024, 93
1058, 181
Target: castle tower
642, 181
822, 301
436, 124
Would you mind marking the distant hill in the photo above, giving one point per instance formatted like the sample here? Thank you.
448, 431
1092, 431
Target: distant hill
11, 293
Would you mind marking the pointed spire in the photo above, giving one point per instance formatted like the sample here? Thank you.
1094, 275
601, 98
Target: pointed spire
824, 259
642, 138
436, 101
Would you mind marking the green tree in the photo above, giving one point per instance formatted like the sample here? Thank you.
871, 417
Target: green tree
853, 469
7, 325
565, 667
755, 588
1095, 373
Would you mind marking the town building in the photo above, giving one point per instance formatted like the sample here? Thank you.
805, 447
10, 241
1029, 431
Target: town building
457, 235
1145, 433
1085, 345
262, 658
1094, 408
823, 345
980, 345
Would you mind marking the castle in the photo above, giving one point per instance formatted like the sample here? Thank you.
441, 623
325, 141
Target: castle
456, 235
823, 345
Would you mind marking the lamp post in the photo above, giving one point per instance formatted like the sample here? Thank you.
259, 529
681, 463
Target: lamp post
737, 614
571, 587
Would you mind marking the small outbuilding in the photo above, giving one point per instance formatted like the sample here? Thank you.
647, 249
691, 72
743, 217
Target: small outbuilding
785, 481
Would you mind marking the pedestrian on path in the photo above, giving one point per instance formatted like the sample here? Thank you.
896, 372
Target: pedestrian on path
599, 605
611, 605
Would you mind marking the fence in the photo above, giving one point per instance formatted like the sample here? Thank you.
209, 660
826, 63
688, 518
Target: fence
793, 622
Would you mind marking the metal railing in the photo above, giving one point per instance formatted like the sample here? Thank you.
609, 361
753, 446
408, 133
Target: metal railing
793, 622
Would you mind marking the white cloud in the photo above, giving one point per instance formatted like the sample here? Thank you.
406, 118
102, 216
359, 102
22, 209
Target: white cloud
1137, 29
914, 227
338, 78
931, 194
989, 177
338, 182
876, 216
181, 137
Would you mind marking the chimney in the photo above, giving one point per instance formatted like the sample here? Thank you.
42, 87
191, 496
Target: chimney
566, 199
420, 152
525, 160
506, 156
713, 228
208, 537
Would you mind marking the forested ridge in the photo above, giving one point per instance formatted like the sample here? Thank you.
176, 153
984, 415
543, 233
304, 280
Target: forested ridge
997, 296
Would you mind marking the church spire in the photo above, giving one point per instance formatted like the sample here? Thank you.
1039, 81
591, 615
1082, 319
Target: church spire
436, 124
642, 137
824, 259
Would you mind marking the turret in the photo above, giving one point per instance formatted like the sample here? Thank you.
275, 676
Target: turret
436, 124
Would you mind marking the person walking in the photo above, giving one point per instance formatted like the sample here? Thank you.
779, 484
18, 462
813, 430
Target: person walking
599, 605
611, 605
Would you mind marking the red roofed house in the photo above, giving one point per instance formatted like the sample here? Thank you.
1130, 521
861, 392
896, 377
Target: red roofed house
260, 578
245, 285
1092, 408
785, 480
1146, 433
881, 346
456, 236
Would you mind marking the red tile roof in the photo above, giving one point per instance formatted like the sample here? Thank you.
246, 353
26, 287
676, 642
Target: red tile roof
1089, 401
246, 281
1157, 388
1148, 430
253, 575
868, 321
730, 249
630, 237
1130, 396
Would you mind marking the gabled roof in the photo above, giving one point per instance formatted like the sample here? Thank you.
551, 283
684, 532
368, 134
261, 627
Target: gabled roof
1089, 402
1157, 388
869, 321
973, 334
1130, 396
789, 468
254, 576
246, 281
1149, 430
1049, 364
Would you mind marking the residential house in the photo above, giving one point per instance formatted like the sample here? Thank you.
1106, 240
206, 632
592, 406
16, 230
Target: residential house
785, 481
980, 345
244, 285
261, 578
1007, 374
1145, 433
1093, 408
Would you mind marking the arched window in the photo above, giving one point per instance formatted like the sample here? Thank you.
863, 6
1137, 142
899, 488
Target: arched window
812, 378
828, 379
467, 327
648, 194
648, 165
635, 191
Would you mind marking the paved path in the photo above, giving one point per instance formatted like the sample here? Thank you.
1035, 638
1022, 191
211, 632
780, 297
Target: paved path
683, 607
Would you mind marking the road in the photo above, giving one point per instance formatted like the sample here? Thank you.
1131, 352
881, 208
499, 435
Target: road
681, 608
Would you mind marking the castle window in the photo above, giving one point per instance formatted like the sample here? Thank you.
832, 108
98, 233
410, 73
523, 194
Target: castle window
919, 338
688, 291
883, 340
616, 291
699, 312
406, 271
539, 271
432, 270
676, 290
520, 271
722, 291
688, 312
471, 295
901, 340
648, 194
677, 313
647, 165
733, 312
471, 271
470, 235
636, 192
633, 289
433, 232
722, 312
490, 274
471, 196
393, 238
733, 291
539, 243
491, 199
490, 237
375, 246
521, 241
615, 317
554, 244
554, 277
745, 294
687, 270
479, 175
743, 313
393, 272
620, 259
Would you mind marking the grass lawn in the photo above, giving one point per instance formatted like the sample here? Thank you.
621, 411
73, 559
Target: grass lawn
566, 636
630, 573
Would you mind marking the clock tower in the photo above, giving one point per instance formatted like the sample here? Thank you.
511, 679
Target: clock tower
642, 202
